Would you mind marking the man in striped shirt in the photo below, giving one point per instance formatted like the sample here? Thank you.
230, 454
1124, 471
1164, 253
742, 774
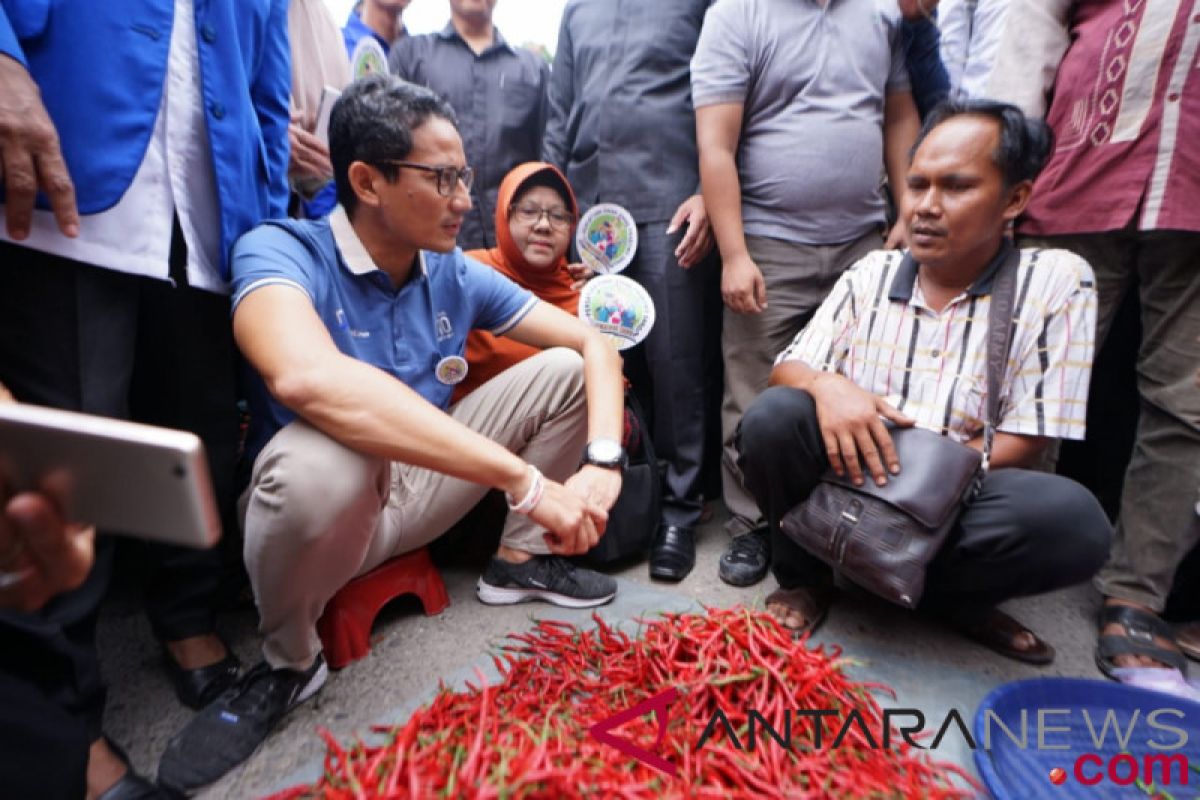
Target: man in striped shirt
902, 337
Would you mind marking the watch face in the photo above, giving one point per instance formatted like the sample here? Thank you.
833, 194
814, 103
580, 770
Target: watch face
604, 451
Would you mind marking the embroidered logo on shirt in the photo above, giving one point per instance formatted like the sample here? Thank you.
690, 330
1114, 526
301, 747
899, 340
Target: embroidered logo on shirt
344, 324
444, 329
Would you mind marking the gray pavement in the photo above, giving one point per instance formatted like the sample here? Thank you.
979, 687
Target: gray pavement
929, 667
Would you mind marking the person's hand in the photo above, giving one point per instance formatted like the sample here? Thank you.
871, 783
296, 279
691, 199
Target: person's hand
897, 238
851, 428
40, 554
580, 275
573, 524
698, 241
309, 157
30, 155
742, 286
600, 485
913, 10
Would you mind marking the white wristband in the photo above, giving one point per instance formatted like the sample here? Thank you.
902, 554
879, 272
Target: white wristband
537, 486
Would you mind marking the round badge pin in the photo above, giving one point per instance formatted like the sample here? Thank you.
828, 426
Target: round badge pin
606, 238
619, 308
368, 58
451, 370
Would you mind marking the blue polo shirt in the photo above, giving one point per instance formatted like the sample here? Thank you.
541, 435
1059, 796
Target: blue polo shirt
404, 332
356, 29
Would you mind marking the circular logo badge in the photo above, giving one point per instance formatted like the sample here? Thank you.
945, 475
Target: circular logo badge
451, 370
368, 58
606, 238
619, 308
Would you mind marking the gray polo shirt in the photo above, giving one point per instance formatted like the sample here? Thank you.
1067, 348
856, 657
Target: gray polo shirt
812, 80
500, 99
621, 122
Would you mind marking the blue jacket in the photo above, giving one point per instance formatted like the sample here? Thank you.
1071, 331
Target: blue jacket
100, 65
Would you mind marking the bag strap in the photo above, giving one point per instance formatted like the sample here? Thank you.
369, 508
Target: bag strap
999, 340
634, 405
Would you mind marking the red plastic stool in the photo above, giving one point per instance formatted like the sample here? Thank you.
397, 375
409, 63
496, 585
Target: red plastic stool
345, 625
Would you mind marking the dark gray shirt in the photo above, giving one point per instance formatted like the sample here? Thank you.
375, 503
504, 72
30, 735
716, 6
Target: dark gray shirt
621, 120
500, 99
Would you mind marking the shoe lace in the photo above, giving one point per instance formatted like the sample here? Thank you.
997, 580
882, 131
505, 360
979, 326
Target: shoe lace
747, 546
255, 691
559, 571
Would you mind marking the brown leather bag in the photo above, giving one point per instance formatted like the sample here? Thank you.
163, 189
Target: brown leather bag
884, 537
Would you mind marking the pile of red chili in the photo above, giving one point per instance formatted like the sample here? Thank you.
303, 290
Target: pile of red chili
528, 736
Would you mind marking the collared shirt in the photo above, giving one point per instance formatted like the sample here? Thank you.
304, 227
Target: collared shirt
499, 96
175, 177
355, 29
877, 329
812, 79
1126, 120
621, 124
404, 331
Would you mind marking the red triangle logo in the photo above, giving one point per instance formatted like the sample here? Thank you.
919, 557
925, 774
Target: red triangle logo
658, 704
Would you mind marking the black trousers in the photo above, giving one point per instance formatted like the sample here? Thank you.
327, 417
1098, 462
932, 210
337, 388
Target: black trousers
43, 748
1025, 532
77, 337
676, 372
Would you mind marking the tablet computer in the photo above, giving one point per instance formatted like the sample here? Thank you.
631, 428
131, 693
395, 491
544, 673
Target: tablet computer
122, 477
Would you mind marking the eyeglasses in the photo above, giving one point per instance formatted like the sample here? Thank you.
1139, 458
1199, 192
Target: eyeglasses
447, 177
530, 215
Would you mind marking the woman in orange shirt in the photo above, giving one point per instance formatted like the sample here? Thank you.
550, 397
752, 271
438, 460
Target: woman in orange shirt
536, 214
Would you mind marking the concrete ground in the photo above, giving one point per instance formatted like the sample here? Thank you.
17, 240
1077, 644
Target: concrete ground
931, 669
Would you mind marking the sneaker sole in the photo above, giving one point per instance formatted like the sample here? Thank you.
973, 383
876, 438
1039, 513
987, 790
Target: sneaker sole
314, 684
498, 596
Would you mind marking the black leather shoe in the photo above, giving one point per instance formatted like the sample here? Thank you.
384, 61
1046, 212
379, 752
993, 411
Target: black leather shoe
673, 553
134, 787
196, 688
131, 786
746, 561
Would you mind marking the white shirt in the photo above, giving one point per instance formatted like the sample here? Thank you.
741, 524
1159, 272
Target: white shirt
176, 176
1006, 50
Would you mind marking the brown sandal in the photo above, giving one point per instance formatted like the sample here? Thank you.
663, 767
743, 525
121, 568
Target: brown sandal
1187, 638
812, 604
998, 631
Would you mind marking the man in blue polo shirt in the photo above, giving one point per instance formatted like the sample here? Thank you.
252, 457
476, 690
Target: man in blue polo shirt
382, 20
356, 326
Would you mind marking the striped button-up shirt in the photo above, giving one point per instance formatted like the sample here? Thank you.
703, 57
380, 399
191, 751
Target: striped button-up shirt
876, 329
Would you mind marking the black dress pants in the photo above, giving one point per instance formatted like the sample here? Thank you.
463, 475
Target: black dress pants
78, 337
676, 371
1024, 533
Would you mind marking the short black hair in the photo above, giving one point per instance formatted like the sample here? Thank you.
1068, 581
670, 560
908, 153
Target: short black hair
373, 122
1025, 143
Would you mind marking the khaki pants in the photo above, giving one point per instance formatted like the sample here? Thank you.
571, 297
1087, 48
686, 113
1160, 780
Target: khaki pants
317, 513
798, 278
1158, 525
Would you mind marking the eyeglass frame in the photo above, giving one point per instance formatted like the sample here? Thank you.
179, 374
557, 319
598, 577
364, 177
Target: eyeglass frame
545, 212
465, 174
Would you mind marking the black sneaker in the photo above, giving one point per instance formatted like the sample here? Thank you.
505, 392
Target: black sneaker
548, 578
746, 561
229, 730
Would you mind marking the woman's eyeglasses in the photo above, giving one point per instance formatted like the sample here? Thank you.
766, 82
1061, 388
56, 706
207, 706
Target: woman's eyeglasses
559, 219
